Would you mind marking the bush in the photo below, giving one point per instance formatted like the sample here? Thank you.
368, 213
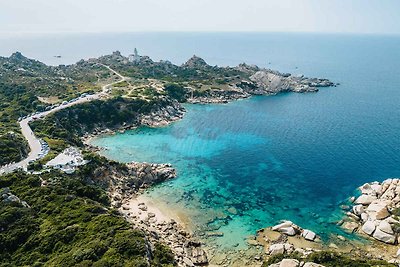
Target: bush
69, 224
334, 259
176, 91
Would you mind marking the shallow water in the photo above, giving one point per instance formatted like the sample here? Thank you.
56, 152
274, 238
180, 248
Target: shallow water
291, 156
248, 164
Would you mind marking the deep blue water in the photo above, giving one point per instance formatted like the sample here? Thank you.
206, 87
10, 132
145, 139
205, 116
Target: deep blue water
291, 156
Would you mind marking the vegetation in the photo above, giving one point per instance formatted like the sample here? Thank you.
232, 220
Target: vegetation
68, 125
330, 259
23, 82
29, 86
196, 72
69, 223
121, 84
176, 91
13, 147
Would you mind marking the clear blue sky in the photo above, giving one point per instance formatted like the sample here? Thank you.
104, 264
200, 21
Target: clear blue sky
42, 16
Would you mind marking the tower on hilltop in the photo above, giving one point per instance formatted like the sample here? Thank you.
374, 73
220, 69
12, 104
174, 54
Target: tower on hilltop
134, 58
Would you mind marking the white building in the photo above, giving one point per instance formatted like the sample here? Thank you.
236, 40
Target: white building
134, 58
68, 160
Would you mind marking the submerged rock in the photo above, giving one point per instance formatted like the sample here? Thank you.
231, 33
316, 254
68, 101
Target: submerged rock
350, 226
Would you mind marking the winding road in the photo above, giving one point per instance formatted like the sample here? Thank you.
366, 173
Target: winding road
36, 148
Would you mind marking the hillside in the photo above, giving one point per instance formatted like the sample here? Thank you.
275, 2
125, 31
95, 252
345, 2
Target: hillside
56, 219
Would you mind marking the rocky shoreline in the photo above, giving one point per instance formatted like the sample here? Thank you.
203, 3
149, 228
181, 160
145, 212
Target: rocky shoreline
375, 213
150, 219
126, 194
263, 82
269, 82
285, 238
126, 197
153, 220
158, 117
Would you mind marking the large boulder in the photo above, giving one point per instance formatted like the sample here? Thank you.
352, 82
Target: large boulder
358, 209
280, 248
289, 263
286, 227
284, 224
364, 216
384, 237
365, 199
276, 249
369, 227
308, 235
378, 209
366, 189
384, 226
377, 188
288, 231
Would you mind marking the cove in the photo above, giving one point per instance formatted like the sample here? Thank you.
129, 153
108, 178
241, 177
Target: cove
248, 164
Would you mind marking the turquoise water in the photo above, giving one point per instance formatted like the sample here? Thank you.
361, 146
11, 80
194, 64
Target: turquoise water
291, 156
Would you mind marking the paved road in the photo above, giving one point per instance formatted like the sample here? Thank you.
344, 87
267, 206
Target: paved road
36, 148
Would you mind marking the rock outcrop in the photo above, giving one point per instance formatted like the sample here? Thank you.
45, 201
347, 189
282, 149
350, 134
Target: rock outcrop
187, 250
163, 115
374, 212
149, 173
220, 96
195, 62
291, 229
7, 197
273, 82
122, 183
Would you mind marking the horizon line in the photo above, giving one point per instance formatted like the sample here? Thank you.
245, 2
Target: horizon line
5, 34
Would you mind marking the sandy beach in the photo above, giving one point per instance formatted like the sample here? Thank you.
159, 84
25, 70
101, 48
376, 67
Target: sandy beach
133, 208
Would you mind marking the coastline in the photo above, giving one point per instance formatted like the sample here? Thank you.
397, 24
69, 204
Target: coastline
164, 223
157, 217
162, 214
165, 213
162, 211
251, 256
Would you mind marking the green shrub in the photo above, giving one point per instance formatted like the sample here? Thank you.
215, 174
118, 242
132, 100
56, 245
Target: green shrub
176, 91
334, 259
69, 223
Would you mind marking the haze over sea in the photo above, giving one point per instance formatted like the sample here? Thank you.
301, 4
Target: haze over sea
291, 156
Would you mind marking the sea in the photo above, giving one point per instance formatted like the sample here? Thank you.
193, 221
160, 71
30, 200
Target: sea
251, 163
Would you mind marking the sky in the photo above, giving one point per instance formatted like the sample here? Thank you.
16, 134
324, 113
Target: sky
338, 16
